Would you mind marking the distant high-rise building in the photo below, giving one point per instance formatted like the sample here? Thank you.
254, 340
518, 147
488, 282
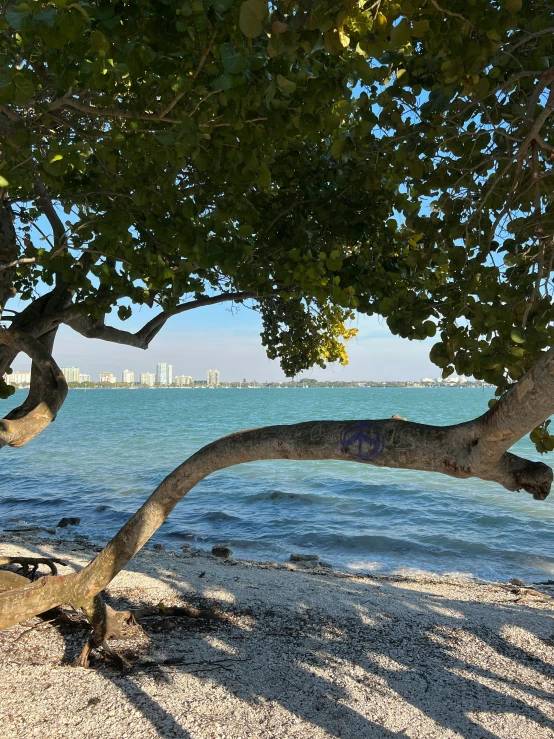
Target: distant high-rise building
84, 378
164, 374
213, 378
108, 378
184, 381
18, 378
71, 374
148, 379
128, 377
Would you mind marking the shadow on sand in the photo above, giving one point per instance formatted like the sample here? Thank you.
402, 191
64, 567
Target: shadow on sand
325, 655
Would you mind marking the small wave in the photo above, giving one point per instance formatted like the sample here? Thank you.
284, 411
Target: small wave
279, 495
219, 516
182, 535
367, 544
48, 502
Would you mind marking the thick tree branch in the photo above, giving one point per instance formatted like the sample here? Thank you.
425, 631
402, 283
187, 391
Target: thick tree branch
36, 388
97, 329
522, 409
53, 389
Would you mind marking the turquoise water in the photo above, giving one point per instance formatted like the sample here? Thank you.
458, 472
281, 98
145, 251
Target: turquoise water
108, 449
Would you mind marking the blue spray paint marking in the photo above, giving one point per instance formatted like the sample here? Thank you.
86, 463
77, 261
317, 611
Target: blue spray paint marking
362, 440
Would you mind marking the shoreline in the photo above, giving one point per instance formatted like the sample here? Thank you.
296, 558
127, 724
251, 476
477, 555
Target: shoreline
174, 545
303, 653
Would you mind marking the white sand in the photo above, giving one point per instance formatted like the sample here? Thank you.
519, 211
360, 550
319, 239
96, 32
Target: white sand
308, 653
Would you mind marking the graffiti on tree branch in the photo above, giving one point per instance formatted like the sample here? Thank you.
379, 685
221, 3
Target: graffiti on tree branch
362, 440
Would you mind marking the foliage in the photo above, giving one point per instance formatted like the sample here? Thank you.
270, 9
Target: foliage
393, 158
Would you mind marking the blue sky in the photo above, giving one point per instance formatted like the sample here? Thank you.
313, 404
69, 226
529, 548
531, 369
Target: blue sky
217, 337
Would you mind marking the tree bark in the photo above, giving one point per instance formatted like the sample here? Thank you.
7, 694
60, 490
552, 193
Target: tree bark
35, 393
52, 391
93, 328
8, 253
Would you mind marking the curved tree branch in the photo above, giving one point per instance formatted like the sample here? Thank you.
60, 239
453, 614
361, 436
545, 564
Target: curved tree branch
53, 389
36, 389
97, 329
529, 402
47, 207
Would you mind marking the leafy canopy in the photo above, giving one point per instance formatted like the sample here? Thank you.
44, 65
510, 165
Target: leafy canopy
393, 158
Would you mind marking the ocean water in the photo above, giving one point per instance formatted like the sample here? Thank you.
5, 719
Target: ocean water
108, 449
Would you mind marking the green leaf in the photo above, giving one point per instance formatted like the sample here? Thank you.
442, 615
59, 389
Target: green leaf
124, 312
98, 42
233, 61
286, 86
245, 230
430, 328
47, 17
493, 34
400, 34
221, 6
420, 28
264, 178
332, 42
226, 82
337, 148
252, 15
15, 19
513, 6
23, 88
3, 181
517, 336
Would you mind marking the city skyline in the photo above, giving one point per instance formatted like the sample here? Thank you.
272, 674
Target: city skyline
162, 377
148, 379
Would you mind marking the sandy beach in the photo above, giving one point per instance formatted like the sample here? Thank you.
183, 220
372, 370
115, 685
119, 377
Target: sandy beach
305, 652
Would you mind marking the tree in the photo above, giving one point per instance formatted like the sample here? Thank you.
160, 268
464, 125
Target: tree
314, 158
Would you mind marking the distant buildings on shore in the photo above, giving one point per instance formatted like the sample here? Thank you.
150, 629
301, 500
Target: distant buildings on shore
164, 374
127, 377
71, 374
163, 377
148, 379
107, 378
213, 378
